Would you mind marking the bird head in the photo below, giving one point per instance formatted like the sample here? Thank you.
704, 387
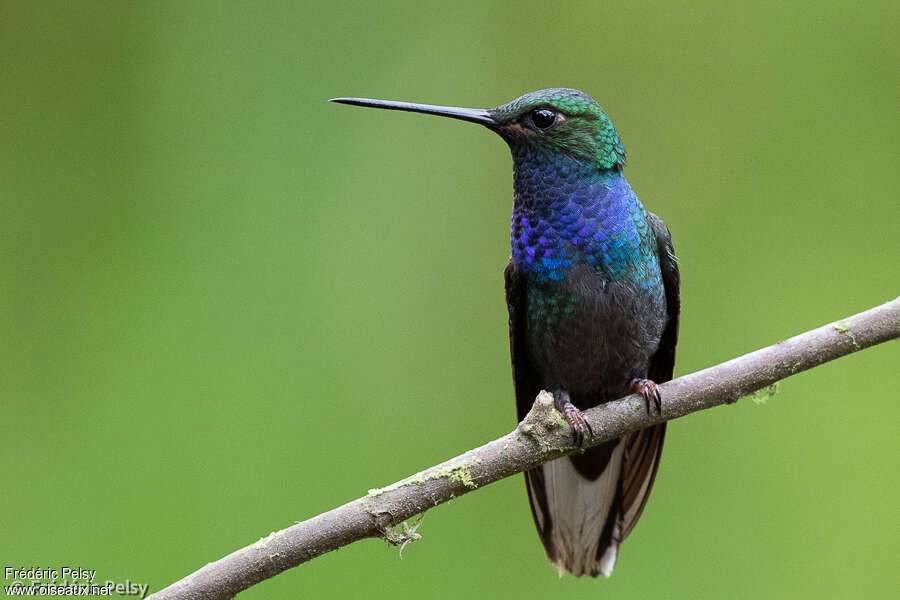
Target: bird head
559, 120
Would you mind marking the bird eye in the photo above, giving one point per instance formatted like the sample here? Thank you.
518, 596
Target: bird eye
543, 118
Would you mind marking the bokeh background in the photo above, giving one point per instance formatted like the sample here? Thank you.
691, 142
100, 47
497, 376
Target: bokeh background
227, 305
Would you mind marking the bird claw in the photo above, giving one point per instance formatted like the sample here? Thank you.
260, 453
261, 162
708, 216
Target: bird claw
650, 392
574, 417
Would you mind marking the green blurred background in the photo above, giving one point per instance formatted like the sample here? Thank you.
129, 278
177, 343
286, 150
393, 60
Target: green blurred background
227, 305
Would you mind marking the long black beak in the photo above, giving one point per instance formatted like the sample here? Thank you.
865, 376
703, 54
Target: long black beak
473, 115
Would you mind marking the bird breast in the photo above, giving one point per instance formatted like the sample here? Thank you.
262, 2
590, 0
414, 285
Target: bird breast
589, 335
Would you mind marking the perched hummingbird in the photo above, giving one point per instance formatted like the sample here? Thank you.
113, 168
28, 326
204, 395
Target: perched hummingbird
593, 299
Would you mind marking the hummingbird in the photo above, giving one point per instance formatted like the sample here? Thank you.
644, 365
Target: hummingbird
592, 290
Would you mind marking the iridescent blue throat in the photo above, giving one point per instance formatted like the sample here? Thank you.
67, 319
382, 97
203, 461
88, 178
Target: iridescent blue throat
568, 213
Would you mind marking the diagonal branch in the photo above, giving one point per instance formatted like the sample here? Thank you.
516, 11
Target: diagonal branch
540, 437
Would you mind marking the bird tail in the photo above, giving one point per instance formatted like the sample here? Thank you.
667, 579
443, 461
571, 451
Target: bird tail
584, 506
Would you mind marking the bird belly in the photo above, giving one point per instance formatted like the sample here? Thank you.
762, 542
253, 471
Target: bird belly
590, 336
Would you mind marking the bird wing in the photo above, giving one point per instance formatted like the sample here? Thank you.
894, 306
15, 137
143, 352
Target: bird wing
525, 377
662, 365
527, 387
643, 448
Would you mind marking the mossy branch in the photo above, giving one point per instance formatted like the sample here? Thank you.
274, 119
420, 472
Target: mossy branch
539, 438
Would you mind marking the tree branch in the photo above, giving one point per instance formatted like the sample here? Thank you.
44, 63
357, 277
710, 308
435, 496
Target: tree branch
541, 437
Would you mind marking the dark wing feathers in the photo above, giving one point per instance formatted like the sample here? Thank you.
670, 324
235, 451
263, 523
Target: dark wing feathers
662, 366
642, 453
525, 377
644, 448
527, 387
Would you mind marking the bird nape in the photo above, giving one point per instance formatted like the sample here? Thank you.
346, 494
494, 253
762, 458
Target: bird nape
592, 289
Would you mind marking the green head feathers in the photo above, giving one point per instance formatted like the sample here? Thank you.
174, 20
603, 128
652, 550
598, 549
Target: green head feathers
564, 120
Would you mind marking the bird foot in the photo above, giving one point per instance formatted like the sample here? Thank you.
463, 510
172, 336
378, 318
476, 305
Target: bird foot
573, 416
649, 390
